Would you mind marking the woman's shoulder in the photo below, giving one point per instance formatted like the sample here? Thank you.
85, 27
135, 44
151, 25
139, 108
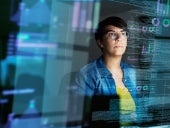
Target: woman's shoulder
89, 68
129, 68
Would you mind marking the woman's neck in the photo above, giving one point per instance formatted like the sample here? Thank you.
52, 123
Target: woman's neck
112, 63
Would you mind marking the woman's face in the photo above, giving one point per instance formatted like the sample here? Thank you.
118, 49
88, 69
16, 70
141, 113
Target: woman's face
114, 41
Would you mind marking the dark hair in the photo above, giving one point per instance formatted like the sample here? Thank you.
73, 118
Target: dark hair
113, 20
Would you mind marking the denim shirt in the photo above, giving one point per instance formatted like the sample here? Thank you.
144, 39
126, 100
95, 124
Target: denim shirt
95, 79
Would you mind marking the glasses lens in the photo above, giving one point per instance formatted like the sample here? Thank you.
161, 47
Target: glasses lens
112, 35
124, 34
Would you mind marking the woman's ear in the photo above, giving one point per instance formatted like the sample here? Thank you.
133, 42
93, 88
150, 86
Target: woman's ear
99, 43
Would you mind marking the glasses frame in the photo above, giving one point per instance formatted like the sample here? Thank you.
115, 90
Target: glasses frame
123, 34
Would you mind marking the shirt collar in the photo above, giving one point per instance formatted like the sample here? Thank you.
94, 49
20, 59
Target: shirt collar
103, 71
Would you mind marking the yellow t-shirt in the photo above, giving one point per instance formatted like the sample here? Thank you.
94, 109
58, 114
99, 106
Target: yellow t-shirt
127, 104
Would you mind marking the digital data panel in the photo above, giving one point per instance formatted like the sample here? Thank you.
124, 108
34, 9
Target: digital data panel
43, 43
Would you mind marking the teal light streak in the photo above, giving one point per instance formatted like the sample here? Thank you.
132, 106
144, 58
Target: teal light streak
23, 36
96, 14
167, 8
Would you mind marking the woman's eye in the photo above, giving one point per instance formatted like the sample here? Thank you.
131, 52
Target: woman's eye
123, 33
113, 34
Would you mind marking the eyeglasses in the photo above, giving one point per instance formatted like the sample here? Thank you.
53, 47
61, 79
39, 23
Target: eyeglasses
114, 35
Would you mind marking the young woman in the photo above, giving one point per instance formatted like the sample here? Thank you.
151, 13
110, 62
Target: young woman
108, 75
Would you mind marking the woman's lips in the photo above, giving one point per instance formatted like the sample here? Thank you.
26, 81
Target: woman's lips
118, 46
